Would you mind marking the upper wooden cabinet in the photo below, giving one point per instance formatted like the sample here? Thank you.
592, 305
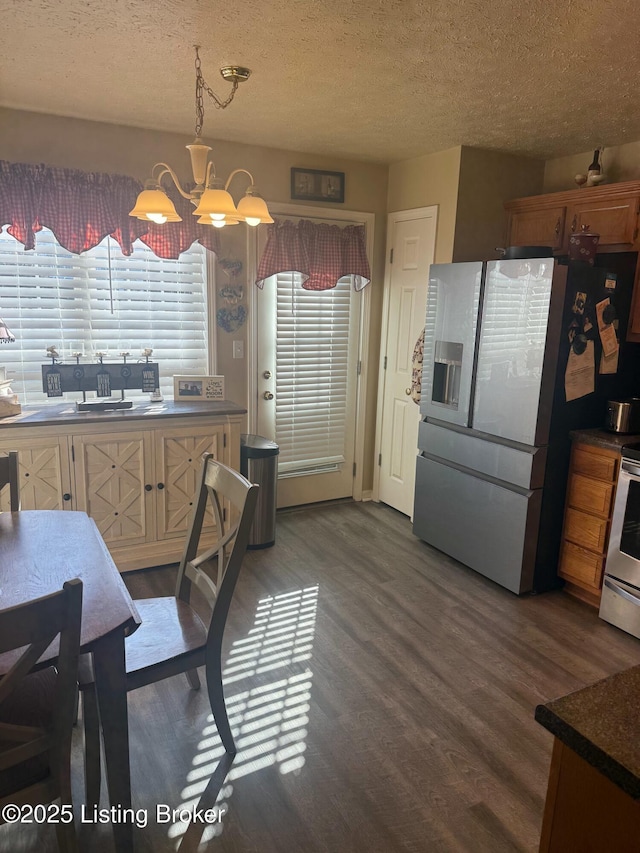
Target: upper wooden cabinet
550, 220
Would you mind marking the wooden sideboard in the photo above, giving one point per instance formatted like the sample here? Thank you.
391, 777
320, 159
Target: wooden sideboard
610, 210
133, 471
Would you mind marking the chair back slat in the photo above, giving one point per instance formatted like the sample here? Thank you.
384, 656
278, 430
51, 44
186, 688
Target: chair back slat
34, 625
9, 477
223, 489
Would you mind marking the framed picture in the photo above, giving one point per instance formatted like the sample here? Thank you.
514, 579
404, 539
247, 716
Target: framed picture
316, 185
198, 389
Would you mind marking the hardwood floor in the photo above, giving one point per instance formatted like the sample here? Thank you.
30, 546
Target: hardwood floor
383, 697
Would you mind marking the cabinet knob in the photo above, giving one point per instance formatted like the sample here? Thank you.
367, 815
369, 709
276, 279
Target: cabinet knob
148, 487
558, 227
66, 496
161, 486
268, 395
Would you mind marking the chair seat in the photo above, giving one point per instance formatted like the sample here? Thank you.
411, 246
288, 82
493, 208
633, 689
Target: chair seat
170, 629
31, 704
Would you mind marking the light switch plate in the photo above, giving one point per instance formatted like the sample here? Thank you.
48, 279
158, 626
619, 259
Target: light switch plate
238, 349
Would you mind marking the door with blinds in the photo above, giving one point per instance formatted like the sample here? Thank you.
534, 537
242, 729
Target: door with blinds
307, 381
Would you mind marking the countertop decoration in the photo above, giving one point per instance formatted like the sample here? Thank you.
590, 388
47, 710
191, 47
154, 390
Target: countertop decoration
101, 377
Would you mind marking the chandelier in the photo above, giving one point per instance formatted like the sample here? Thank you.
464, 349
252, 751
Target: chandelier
210, 195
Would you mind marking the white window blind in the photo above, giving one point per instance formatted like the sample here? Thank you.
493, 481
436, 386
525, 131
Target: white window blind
312, 376
101, 301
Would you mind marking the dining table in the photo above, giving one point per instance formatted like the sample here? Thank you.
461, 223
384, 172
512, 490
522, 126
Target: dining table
39, 551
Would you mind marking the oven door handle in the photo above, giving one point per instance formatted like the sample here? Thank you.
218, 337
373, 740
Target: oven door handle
619, 591
631, 469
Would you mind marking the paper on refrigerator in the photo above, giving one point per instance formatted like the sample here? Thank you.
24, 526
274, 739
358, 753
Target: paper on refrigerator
579, 377
607, 330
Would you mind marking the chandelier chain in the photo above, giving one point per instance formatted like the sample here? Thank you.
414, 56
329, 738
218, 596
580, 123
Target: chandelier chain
201, 86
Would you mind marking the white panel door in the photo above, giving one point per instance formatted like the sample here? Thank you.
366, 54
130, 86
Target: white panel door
413, 243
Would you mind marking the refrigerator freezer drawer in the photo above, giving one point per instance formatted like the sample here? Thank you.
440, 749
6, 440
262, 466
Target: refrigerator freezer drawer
620, 605
524, 468
488, 527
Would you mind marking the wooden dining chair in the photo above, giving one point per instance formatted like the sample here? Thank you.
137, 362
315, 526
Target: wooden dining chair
172, 637
9, 477
37, 709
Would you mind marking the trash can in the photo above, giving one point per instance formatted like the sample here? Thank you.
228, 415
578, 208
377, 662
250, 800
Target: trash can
259, 464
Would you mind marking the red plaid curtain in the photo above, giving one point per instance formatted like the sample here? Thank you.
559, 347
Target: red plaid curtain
322, 253
82, 208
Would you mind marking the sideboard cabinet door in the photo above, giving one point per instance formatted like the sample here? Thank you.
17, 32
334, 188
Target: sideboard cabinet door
44, 472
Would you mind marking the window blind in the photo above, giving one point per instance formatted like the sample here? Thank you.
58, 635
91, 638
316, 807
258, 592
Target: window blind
101, 301
312, 376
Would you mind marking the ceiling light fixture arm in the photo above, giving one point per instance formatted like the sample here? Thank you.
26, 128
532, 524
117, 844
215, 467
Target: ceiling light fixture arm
167, 170
236, 172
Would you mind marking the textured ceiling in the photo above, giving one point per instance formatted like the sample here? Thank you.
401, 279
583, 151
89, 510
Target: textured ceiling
379, 80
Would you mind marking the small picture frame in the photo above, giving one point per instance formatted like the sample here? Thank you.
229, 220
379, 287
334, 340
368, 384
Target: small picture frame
198, 389
317, 185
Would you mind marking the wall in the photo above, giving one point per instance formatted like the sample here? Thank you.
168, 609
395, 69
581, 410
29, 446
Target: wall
93, 146
621, 163
488, 179
423, 181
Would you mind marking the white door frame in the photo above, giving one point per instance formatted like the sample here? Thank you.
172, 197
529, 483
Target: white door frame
357, 218
392, 219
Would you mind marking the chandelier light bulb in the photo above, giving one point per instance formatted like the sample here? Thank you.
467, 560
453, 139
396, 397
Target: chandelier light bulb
218, 223
252, 220
158, 218
217, 216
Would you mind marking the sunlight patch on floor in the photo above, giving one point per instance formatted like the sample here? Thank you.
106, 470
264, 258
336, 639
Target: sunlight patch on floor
269, 721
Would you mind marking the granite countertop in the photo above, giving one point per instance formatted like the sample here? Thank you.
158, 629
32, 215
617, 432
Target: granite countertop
603, 438
601, 724
66, 413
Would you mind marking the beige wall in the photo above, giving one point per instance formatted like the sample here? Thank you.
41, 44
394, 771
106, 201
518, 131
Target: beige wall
621, 163
94, 146
424, 181
487, 180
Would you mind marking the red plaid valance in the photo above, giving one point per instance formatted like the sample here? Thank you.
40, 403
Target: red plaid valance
82, 208
322, 253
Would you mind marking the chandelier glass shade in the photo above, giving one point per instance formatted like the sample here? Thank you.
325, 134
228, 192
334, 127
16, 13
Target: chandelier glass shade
210, 196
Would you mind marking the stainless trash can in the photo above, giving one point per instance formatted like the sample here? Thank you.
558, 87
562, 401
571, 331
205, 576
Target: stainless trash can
259, 464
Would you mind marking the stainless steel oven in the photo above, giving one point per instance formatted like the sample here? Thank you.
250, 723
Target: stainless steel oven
620, 603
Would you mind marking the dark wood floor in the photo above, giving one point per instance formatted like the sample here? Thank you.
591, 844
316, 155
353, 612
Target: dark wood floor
383, 697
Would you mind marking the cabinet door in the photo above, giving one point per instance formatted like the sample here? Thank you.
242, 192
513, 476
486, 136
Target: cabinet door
179, 457
44, 473
115, 485
543, 227
614, 219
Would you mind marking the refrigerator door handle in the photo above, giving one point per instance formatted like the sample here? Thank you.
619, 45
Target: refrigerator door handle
621, 592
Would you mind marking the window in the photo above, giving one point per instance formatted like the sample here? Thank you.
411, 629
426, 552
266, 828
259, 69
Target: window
315, 352
101, 301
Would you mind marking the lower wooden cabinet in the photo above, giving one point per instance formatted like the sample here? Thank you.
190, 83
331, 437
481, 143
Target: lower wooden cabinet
136, 483
587, 519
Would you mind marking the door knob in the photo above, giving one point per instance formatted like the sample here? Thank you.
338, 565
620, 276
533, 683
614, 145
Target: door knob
407, 391
267, 374
268, 395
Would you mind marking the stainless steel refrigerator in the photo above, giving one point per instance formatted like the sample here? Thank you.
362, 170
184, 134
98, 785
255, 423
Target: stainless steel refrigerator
494, 440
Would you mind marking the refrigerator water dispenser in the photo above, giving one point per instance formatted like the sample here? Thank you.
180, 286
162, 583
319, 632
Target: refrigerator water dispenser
447, 368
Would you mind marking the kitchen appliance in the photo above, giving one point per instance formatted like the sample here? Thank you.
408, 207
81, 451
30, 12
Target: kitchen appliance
623, 415
494, 437
620, 602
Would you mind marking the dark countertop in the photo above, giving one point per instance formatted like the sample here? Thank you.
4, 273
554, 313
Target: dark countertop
66, 413
601, 724
603, 438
